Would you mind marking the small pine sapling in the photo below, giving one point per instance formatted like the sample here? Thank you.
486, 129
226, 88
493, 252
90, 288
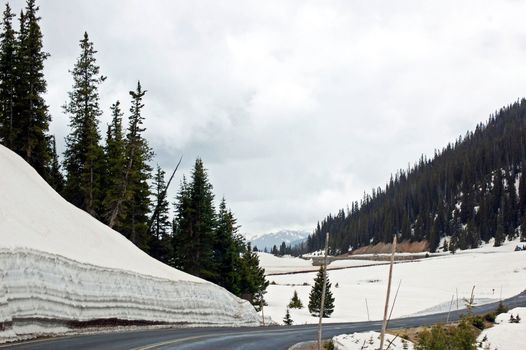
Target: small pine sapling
287, 320
295, 302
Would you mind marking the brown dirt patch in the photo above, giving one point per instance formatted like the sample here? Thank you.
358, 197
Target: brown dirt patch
385, 248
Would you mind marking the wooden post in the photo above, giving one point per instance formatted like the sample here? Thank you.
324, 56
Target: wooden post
261, 303
367, 307
323, 289
449, 311
386, 308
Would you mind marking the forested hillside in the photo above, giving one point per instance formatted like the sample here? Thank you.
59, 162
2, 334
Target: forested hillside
472, 190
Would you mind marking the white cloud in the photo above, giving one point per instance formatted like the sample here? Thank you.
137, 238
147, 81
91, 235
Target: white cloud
296, 107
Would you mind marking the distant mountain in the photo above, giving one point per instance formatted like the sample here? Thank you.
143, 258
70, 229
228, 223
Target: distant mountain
268, 240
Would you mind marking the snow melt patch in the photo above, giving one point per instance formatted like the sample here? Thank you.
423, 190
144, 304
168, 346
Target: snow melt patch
369, 341
505, 335
57, 263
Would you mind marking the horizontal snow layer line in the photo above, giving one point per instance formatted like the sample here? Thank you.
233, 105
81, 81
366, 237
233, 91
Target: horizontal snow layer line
41, 285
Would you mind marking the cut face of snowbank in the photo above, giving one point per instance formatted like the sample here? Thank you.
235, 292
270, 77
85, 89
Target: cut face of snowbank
505, 335
59, 263
369, 341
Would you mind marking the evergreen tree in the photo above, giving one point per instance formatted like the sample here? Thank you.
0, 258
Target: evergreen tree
196, 223
7, 77
227, 250
56, 179
523, 229
499, 234
29, 122
116, 191
160, 247
137, 174
315, 296
434, 238
253, 283
295, 302
84, 155
287, 320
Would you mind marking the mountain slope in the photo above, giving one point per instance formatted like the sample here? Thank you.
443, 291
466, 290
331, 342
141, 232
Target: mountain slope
472, 190
60, 264
268, 240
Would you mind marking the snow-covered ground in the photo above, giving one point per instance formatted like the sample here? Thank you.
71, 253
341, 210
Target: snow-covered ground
369, 341
425, 284
505, 335
57, 263
285, 264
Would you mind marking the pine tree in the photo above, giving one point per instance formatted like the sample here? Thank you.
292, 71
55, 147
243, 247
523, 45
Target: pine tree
30, 119
227, 250
315, 296
160, 247
137, 174
523, 229
434, 238
7, 77
500, 236
196, 223
287, 320
253, 283
56, 179
295, 301
83, 155
115, 170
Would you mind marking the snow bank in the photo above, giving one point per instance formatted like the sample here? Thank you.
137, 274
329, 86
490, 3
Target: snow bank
505, 335
59, 263
369, 341
275, 264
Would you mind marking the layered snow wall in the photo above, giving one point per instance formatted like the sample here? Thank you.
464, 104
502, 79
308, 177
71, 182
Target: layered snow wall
59, 265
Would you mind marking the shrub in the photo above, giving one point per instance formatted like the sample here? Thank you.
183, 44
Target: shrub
461, 337
490, 317
501, 309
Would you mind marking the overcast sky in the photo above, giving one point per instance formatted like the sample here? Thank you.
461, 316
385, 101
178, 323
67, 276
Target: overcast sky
295, 107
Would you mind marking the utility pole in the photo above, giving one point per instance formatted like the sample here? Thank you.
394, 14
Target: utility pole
386, 309
323, 289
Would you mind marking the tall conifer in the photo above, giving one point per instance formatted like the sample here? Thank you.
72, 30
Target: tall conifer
137, 174
115, 155
160, 246
30, 118
83, 155
7, 77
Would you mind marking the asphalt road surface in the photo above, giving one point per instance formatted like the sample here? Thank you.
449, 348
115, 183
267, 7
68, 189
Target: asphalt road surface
258, 338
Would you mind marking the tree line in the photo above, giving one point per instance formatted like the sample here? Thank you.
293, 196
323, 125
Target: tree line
472, 190
112, 178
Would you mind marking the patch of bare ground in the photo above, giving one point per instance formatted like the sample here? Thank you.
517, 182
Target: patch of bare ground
385, 248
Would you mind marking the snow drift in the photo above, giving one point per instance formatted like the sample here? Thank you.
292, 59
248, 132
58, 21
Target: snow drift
59, 265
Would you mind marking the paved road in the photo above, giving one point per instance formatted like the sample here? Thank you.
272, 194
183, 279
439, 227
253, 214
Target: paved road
260, 338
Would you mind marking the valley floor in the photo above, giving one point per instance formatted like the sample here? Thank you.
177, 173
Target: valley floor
426, 286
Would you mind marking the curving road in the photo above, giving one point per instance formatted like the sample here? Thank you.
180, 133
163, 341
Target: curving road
260, 338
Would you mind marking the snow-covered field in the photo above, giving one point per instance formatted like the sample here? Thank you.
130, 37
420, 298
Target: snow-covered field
369, 341
59, 264
285, 264
425, 284
505, 335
